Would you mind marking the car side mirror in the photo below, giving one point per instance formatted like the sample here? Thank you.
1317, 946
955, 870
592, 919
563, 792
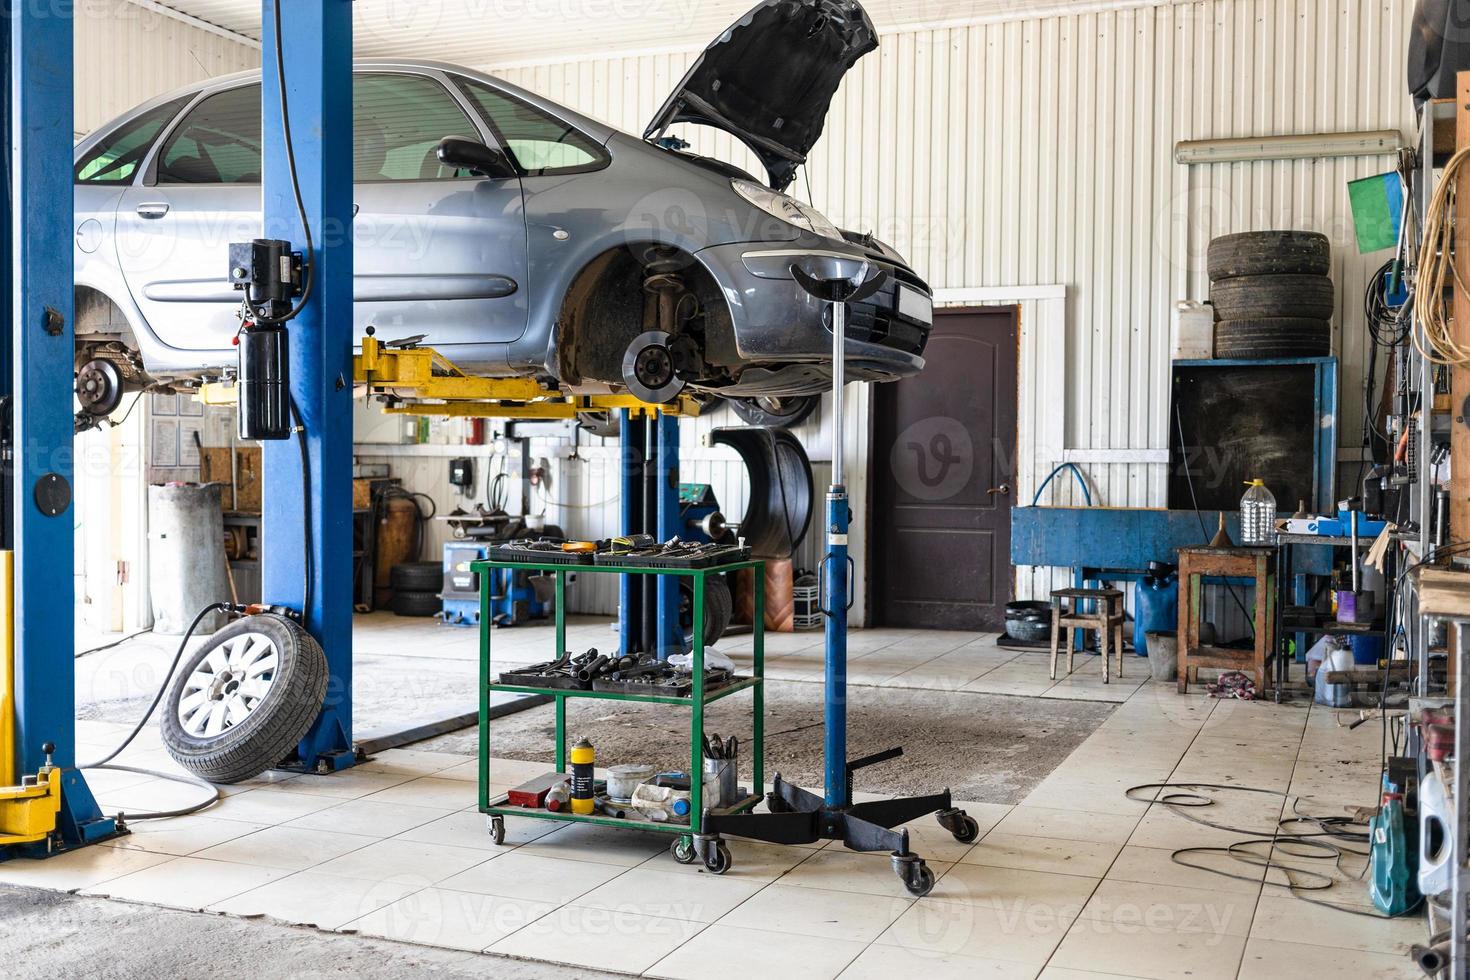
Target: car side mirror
463, 153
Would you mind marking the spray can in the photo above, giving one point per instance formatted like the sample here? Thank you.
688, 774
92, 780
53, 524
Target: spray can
583, 757
557, 798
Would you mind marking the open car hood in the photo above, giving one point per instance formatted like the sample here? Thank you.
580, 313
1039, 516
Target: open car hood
770, 77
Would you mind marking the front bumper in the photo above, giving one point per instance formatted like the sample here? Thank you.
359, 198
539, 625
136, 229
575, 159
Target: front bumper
783, 335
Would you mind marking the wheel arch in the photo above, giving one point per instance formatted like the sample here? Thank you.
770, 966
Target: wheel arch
603, 306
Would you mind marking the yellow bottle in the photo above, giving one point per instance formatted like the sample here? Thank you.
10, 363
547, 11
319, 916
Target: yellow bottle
583, 757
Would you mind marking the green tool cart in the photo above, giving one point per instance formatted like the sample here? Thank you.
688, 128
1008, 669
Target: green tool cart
690, 843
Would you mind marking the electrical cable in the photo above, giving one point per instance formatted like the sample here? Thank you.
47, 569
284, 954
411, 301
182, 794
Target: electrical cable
1086, 493
1194, 502
1328, 842
307, 564
106, 761
308, 272
1435, 340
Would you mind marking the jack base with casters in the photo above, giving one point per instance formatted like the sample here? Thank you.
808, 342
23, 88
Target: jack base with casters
799, 817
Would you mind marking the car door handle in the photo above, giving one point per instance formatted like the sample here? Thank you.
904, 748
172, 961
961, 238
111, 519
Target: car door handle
156, 209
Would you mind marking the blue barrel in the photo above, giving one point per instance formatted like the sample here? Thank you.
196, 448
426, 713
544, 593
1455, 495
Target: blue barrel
1155, 609
1367, 649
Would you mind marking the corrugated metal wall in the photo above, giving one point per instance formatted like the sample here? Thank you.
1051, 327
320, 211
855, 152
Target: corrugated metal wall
126, 54
1025, 152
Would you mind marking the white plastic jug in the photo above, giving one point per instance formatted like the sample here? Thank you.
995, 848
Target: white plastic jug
1334, 695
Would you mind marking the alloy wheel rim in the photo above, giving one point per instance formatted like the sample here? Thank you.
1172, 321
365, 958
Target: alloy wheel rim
229, 684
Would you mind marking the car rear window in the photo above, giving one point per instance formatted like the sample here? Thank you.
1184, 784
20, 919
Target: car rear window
117, 156
539, 142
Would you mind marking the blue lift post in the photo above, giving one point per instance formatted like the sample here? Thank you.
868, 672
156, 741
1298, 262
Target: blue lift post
38, 375
649, 472
316, 53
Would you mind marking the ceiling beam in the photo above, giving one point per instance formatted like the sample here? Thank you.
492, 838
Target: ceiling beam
163, 10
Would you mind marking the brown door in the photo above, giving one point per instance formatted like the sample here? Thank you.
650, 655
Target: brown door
943, 475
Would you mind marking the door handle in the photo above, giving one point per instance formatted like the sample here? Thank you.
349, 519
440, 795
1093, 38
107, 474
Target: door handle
1004, 490
156, 209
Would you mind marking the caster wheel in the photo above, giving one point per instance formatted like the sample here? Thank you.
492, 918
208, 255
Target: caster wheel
683, 850
967, 831
717, 862
919, 880
497, 829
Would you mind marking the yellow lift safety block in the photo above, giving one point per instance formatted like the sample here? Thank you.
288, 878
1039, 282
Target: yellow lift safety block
29, 807
421, 381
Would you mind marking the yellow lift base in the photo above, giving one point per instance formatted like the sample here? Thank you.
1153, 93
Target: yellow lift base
28, 811
424, 382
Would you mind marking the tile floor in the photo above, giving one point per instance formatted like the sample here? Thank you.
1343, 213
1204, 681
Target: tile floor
1074, 881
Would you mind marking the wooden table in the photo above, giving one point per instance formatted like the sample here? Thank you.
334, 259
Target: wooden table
1196, 564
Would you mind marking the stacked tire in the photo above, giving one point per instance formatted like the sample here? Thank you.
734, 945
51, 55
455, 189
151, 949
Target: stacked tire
1271, 294
416, 587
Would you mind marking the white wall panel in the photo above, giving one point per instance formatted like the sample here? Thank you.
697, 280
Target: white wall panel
1014, 152
126, 53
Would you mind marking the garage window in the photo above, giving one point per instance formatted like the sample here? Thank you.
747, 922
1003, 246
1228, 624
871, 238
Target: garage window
217, 143
116, 157
539, 142
397, 121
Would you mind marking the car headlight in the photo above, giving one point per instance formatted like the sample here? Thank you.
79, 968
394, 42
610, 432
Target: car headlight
786, 208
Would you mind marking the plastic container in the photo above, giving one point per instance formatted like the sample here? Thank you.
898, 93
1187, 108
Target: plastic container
1334, 695
1194, 331
1155, 607
1257, 515
1393, 856
1367, 649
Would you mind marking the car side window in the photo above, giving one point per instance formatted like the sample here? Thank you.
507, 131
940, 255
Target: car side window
539, 142
218, 142
115, 159
397, 121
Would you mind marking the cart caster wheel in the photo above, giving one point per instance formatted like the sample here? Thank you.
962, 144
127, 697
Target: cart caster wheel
918, 879
683, 850
497, 829
717, 861
965, 828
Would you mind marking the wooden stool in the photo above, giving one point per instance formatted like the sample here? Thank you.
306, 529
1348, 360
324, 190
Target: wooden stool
1106, 620
1196, 564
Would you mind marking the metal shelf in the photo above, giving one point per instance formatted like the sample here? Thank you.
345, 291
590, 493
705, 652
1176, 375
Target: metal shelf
696, 701
723, 691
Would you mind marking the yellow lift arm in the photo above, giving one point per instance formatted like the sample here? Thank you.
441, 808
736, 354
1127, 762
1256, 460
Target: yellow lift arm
428, 383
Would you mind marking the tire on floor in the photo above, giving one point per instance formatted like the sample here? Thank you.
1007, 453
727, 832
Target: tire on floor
245, 699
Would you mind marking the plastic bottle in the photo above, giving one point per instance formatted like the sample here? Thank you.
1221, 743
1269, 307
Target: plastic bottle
557, 798
583, 757
1257, 515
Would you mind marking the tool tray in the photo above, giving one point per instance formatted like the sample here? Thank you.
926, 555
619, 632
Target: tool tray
523, 551
650, 558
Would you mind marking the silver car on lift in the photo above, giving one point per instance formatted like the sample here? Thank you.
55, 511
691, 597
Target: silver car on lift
517, 236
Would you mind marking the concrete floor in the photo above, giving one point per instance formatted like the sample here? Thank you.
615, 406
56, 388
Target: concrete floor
1071, 881
50, 934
